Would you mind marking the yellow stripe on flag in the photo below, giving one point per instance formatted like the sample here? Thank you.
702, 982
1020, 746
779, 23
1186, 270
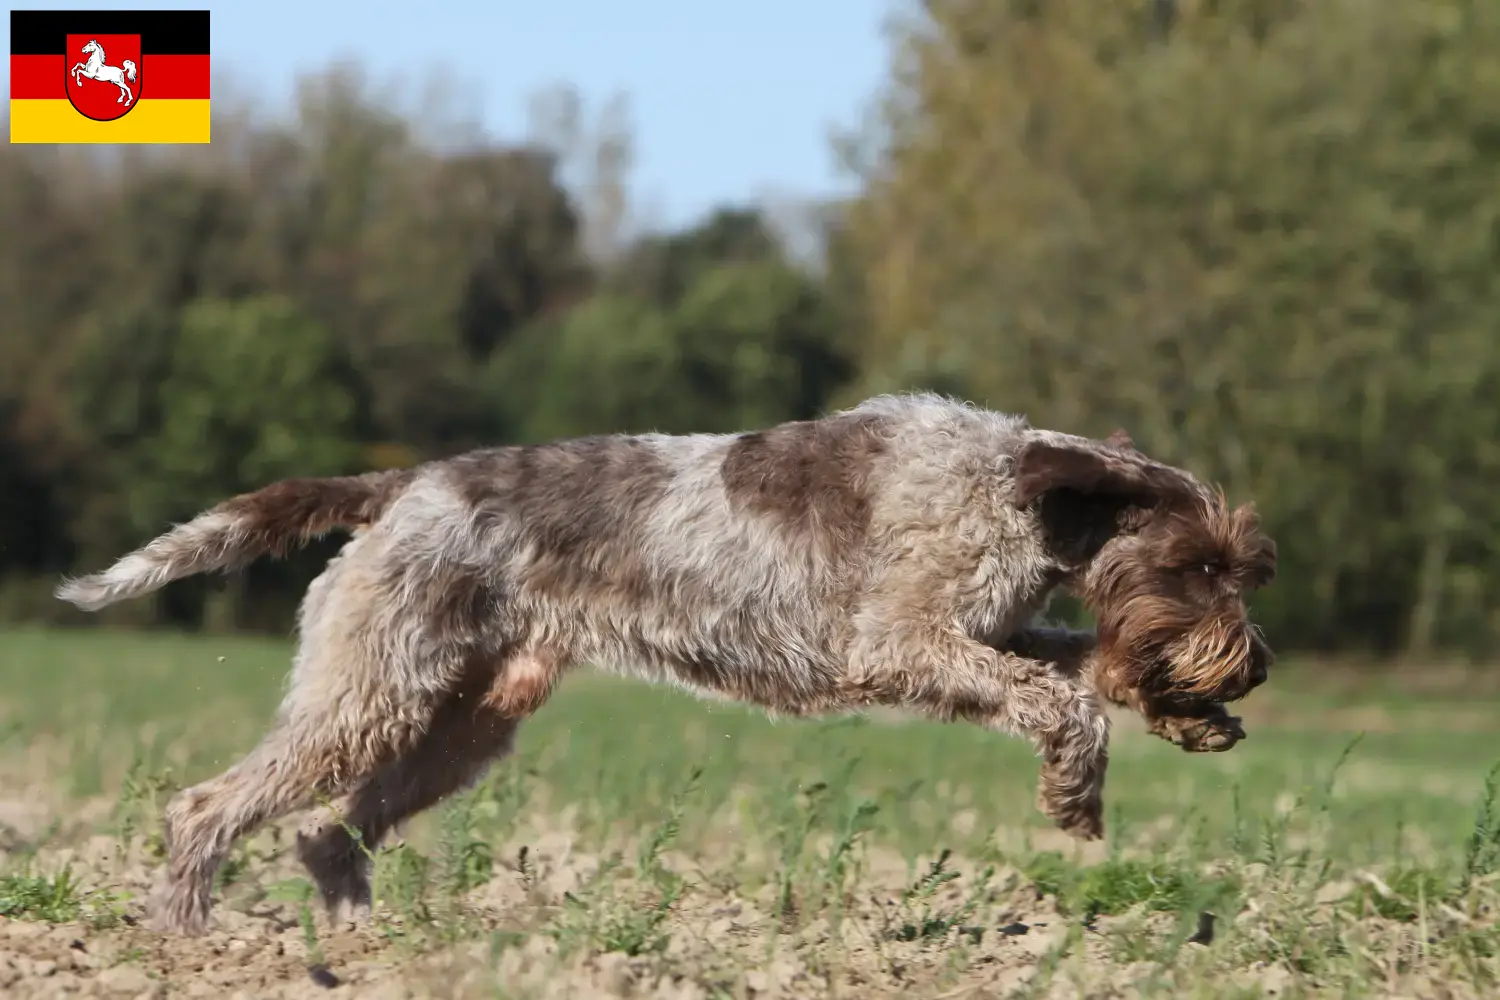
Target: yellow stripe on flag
149, 121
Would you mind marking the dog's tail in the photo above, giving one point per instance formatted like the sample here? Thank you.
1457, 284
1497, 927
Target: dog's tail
238, 531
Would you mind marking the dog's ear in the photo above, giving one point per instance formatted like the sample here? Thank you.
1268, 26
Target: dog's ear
1043, 467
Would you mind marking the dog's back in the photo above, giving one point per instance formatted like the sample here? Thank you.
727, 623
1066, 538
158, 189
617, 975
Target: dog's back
716, 561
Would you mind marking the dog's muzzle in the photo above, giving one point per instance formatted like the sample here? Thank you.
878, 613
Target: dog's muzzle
1220, 662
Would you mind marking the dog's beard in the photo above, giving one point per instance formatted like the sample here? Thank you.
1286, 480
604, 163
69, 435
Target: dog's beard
1155, 644
1215, 660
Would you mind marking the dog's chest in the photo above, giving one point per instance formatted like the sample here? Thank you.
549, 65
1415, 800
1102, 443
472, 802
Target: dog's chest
1013, 583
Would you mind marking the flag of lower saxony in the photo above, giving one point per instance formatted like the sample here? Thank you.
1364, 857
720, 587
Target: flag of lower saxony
109, 76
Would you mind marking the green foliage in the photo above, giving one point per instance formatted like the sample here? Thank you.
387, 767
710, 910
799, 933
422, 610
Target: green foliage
1115, 885
1259, 235
611, 914
661, 269
755, 346
1261, 240
608, 364
922, 918
187, 408
54, 899
747, 344
342, 290
464, 858
137, 810
251, 395
1404, 894
301, 894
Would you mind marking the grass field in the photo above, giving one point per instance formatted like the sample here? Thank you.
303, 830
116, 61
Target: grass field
642, 843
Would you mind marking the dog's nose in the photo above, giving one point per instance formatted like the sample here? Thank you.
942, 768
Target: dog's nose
1260, 664
1258, 674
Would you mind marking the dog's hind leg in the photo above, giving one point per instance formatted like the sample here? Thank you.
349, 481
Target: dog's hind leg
287, 771
937, 670
338, 724
474, 728
465, 738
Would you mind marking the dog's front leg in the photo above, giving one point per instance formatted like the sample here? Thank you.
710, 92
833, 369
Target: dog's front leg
935, 669
1196, 725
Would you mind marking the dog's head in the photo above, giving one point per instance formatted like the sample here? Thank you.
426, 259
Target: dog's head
1161, 560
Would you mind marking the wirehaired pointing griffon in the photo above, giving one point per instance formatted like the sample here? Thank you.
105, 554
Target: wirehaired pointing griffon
897, 553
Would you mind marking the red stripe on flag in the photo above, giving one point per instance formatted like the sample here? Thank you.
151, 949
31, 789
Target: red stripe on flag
162, 77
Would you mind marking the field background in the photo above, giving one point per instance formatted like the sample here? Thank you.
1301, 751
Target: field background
645, 843
1261, 236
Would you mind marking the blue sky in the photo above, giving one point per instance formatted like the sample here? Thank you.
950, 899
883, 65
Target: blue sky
710, 123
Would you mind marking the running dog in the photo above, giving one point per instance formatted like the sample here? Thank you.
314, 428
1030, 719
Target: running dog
897, 553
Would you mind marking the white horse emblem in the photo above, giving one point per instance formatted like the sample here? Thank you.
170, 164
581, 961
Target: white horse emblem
95, 69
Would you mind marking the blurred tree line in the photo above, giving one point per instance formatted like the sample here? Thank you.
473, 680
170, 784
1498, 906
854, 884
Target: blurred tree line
1262, 235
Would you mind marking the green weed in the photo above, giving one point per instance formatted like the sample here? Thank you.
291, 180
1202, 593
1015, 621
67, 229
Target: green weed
55, 899
610, 914
921, 918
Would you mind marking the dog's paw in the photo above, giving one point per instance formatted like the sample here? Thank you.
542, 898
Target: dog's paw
1215, 735
1084, 825
179, 908
1211, 735
1081, 818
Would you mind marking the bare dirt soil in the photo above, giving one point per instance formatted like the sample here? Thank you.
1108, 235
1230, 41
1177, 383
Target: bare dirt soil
643, 844
519, 933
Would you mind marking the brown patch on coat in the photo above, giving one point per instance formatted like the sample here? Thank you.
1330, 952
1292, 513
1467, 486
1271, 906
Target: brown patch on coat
582, 505
811, 476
